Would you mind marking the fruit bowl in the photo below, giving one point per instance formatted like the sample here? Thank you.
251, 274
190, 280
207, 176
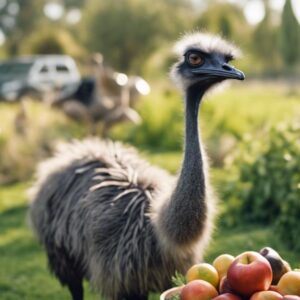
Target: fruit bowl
251, 275
170, 293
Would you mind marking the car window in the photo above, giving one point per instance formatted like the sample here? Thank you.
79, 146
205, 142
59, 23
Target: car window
14, 68
44, 69
62, 68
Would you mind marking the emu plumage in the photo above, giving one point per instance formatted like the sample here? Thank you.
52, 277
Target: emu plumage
103, 183
104, 214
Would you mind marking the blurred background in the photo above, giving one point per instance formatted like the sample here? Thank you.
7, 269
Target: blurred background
75, 68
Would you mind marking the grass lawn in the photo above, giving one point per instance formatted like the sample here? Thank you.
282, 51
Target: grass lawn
23, 266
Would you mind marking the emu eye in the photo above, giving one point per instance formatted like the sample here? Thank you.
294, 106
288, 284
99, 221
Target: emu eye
195, 59
229, 58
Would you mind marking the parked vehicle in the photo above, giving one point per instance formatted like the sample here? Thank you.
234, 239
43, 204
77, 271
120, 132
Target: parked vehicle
107, 97
36, 75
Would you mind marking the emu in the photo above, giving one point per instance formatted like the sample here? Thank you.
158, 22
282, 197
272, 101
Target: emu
104, 214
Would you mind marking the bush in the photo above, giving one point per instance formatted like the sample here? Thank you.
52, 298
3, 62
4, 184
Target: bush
43, 127
265, 185
272, 175
162, 125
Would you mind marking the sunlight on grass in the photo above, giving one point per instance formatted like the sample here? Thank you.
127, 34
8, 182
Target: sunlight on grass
11, 236
235, 241
12, 196
170, 161
247, 108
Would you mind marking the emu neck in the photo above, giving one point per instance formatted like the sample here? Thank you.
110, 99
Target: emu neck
191, 172
184, 217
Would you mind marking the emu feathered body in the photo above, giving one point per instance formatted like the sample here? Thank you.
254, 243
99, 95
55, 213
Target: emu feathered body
95, 211
106, 215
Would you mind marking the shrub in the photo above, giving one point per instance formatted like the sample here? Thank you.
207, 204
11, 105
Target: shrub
162, 125
265, 183
19, 153
272, 175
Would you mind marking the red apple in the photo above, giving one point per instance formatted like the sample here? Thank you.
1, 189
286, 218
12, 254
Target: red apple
227, 296
225, 286
266, 295
250, 272
198, 290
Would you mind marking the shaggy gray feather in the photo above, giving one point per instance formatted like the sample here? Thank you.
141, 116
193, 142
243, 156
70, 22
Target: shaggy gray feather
104, 214
94, 212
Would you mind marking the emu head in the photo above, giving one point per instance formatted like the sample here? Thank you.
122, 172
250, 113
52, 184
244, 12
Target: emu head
204, 61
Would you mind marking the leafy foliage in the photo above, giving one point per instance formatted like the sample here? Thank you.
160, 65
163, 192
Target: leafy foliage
266, 188
19, 153
178, 279
224, 18
160, 129
289, 35
272, 175
267, 35
136, 27
17, 26
52, 41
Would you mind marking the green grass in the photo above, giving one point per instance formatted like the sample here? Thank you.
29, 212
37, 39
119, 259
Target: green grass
23, 266
23, 271
235, 241
166, 160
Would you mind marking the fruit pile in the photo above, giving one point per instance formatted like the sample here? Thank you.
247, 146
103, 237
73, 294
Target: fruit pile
252, 275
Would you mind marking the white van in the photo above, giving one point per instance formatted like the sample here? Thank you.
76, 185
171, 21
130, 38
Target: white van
36, 74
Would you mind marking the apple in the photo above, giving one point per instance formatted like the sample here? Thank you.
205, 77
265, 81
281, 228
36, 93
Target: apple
205, 272
225, 286
227, 296
222, 263
266, 295
278, 265
198, 290
250, 272
289, 283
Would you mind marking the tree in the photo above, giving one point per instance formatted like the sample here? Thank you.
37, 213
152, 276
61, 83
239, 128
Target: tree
226, 19
52, 40
264, 46
18, 19
289, 36
126, 32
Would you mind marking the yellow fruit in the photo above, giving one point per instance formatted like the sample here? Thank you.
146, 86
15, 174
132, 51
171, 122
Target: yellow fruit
205, 272
289, 283
222, 264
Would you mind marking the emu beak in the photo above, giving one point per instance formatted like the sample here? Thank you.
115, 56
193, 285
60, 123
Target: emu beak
225, 71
